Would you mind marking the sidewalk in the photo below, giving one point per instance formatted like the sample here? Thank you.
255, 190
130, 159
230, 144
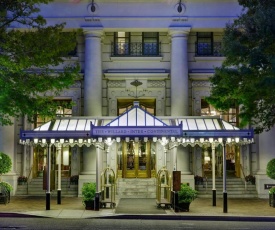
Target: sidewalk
72, 207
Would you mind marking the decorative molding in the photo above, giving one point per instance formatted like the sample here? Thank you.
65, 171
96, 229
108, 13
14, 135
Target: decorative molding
117, 84
201, 84
155, 84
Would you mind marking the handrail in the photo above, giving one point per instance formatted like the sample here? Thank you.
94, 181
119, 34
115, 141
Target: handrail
206, 183
245, 183
28, 177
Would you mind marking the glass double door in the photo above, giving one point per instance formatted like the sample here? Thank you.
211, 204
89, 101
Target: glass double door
137, 162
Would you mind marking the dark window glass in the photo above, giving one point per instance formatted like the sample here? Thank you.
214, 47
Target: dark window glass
204, 43
150, 43
149, 105
122, 43
230, 116
64, 109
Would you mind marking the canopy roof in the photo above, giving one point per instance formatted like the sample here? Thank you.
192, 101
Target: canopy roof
132, 124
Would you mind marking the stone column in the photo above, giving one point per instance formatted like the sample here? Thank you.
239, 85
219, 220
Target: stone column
179, 71
93, 72
92, 93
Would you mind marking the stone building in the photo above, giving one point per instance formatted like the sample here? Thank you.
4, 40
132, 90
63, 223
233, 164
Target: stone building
161, 54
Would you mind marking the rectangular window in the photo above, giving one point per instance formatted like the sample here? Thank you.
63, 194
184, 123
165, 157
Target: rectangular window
136, 44
230, 116
122, 43
64, 109
150, 42
204, 44
149, 105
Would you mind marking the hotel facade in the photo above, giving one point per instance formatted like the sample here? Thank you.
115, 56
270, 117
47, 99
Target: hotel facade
145, 69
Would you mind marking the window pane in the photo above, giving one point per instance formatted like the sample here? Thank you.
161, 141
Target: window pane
204, 43
230, 116
63, 110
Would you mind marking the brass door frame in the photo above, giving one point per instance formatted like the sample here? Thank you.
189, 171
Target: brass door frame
135, 172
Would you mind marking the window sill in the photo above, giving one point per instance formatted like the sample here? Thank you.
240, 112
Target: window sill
209, 58
135, 58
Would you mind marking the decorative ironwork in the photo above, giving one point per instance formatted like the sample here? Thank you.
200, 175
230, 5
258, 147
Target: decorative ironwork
209, 49
136, 83
179, 7
135, 49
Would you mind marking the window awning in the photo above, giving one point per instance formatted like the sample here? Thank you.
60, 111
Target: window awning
137, 123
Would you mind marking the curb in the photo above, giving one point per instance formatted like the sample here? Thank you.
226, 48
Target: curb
200, 218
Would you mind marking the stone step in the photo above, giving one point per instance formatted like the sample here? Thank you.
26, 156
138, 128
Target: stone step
235, 188
35, 188
136, 188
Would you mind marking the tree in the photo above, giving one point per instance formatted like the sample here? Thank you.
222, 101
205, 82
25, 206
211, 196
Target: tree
247, 76
270, 169
5, 164
27, 60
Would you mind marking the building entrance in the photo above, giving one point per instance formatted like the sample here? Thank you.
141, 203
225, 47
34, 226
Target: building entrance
138, 162
233, 166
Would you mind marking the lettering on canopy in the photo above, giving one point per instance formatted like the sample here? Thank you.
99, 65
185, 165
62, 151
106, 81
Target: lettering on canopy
136, 131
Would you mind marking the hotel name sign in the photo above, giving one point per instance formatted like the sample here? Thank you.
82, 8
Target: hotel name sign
136, 131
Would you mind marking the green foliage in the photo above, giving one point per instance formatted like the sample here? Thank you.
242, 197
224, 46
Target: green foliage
270, 169
5, 163
272, 190
7, 185
28, 59
247, 76
186, 194
88, 191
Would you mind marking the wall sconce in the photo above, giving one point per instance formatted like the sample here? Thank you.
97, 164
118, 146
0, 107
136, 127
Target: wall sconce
179, 7
93, 6
206, 159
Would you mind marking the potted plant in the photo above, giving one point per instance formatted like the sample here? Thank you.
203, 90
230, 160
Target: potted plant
88, 195
74, 179
22, 180
7, 190
185, 196
198, 180
250, 179
272, 197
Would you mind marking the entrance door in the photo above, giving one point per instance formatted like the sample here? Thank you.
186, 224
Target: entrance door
136, 159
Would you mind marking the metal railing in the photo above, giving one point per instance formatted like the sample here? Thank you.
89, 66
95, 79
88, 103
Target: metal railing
208, 49
28, 177
136, 49
245, 183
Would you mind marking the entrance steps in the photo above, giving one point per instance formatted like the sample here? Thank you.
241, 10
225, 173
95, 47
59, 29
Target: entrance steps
136, 187
235, 189
35, 188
